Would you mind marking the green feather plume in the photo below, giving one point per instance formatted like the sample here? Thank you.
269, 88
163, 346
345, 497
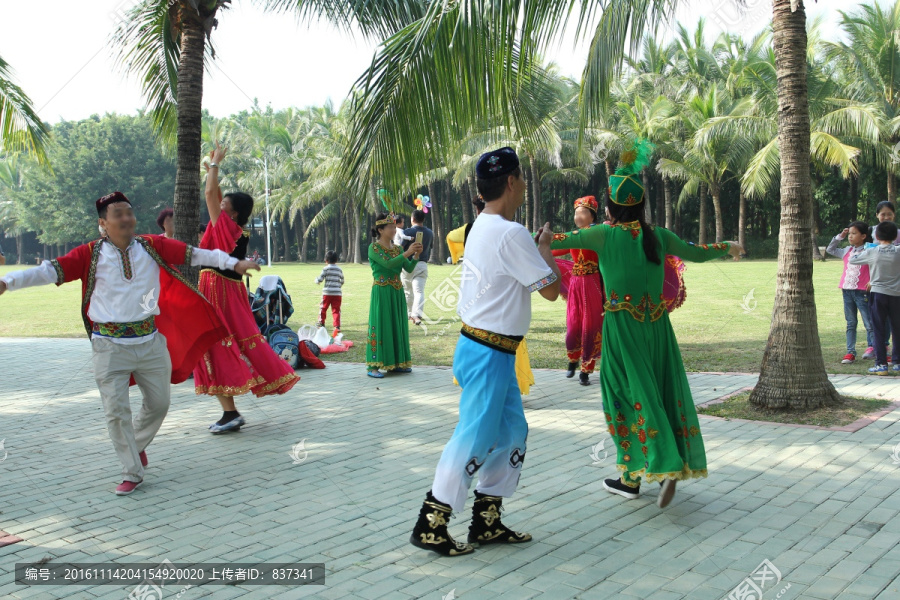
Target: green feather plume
636, 158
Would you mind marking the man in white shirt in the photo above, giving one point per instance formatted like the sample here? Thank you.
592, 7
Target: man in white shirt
143, 318
502, 267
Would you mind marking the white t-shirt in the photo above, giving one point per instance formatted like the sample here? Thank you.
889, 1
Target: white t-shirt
502, 268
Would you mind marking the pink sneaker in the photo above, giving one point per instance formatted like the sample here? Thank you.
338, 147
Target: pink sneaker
869, 353
143, 456
126, 487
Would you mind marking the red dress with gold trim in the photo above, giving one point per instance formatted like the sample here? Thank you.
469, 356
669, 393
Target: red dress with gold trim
584, 306
243, 361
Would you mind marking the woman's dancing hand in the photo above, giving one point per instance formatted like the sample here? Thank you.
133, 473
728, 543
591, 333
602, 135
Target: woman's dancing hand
217, 154
245, 265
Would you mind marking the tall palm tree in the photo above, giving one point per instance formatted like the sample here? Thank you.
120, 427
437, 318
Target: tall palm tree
20, 127
167, 45
707, 163
423, 76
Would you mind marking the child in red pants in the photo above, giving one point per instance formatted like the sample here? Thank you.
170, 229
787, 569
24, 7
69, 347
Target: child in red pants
331, 294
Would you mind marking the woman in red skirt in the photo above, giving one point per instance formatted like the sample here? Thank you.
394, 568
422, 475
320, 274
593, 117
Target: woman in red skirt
243, 362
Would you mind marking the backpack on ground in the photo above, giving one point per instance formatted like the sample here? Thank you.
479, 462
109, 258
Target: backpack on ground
284, 342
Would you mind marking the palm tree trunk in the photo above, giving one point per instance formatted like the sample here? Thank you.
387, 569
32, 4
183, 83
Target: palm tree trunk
20, 248
702, 236
438, 250
792, 373
891, 188
357, 234
536, 200
465, 199
322, 242
716, 193
189, 127
525, 210
742, 220
670, 214
301, 235
286, 238
853, 210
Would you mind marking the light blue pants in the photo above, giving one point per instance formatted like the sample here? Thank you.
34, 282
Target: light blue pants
490, 436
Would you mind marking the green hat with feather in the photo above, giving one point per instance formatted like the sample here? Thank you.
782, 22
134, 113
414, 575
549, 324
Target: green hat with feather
625, 188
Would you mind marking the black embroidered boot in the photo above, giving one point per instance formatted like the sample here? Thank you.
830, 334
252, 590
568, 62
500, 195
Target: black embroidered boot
486, 527
431, 532
571, 370
584, 378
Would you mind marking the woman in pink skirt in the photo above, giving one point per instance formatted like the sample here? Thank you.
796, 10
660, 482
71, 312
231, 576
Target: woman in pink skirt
243, 362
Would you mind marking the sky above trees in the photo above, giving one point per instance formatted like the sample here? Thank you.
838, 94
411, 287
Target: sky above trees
61, 56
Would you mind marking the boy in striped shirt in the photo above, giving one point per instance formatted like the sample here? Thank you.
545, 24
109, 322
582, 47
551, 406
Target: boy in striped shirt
331, 293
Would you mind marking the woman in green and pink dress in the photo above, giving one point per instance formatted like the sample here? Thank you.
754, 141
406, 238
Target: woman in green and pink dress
387, 343
646, 399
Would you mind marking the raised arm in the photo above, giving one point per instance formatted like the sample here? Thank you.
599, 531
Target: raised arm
213, 191
833, 249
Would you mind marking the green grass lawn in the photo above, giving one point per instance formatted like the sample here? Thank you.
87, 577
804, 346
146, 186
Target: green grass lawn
715, 332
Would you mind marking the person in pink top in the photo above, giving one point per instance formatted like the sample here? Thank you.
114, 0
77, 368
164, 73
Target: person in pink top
854, 283
242, 362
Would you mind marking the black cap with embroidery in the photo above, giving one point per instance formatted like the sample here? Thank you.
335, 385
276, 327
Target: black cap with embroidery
496, 163
111, 199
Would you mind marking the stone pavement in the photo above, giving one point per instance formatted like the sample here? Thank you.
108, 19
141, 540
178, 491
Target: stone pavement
820, 505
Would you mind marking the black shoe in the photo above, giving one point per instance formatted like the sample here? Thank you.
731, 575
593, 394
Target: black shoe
584, 378
615, 486
571, 371
486, 527
431, 532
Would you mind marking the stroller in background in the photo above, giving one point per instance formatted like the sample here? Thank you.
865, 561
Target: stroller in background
271, 307
271, 304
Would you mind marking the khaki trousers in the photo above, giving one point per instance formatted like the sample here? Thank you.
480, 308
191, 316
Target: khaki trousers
151, 366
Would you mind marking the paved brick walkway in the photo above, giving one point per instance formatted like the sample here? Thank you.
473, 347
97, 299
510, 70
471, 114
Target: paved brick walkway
821, 506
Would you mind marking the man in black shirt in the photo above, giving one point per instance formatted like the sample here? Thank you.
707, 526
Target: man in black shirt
414, 283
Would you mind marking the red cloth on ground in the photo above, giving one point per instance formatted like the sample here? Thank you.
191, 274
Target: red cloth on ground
243, 361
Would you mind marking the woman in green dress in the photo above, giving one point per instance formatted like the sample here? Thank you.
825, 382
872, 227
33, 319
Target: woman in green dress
646, 399
387, 343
